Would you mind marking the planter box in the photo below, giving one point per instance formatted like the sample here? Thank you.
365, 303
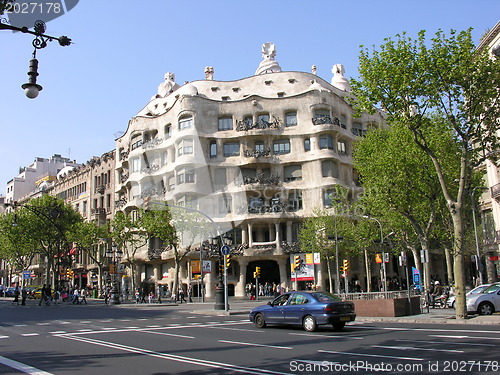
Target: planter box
387, 307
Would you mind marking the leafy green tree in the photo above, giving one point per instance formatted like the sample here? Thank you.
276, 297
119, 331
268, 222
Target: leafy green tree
445, 84
17, 247
129, 237
93, 240
399, 180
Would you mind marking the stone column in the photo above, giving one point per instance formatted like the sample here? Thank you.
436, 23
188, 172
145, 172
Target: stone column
157, 272
210, 281
283, 275
278, 238
239, 290
244, 234
289, 231
250, 236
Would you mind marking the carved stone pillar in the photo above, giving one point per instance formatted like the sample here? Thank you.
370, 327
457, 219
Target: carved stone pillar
250, 236
210, 281
239, 290
283, 275
157, 272
278, 238
289, 231
244, 234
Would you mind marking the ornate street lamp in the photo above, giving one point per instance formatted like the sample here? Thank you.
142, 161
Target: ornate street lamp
114, 255
31, 89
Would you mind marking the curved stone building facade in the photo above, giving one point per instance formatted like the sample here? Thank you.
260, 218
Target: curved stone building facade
256, 156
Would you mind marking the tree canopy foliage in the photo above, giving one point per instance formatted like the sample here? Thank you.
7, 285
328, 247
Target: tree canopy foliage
442, 85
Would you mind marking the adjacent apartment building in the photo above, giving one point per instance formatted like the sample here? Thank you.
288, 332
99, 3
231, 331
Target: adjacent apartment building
490, 199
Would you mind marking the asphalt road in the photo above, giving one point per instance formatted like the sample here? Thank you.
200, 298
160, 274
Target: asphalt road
96, 339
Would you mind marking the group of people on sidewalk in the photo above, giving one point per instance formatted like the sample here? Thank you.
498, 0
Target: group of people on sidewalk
48, 295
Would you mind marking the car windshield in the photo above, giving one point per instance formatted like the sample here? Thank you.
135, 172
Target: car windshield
479, 289
325, 297
492, 289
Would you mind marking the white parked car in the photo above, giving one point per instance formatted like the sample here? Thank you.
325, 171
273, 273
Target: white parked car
478, 289
486, 302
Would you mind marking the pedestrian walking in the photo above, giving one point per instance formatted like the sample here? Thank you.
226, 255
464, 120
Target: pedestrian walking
24, 295
44, 294
181, 295
48, 295
106, 295
190, 293
83, 296
16, 296
75, 297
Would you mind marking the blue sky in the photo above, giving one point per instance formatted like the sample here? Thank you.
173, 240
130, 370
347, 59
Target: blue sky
123, 48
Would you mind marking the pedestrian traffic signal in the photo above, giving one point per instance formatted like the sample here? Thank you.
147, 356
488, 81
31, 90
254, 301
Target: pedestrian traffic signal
255, 275
341, 269
346, 265
297, 261
228, 260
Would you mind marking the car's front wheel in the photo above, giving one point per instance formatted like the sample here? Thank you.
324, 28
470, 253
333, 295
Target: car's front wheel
485, 308
259, 321
309, 323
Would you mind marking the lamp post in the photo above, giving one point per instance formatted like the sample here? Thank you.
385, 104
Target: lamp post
31, 89
478, 259
114, 255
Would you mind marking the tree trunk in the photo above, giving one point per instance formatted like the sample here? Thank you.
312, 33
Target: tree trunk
175, 286
330, 279
449, 265
458, 264
368, 267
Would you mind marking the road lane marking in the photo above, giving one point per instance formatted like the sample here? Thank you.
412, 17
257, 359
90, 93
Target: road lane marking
57, 332
4, 337
236, 329
30, 334
170, 334
330, 336
137, 329
466, 337
22, 367
254, 344
448, 329
371, 355
177, 358
447, 343
417, 348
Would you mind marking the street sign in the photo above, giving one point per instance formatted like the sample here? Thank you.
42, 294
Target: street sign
225, 250
26, 275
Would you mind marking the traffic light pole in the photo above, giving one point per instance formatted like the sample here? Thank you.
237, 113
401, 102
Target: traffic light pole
226, 294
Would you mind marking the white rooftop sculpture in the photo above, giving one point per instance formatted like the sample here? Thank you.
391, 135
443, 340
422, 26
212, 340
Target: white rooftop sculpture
338, 80
269, 64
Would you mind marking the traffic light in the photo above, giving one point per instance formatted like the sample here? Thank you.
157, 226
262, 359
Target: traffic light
147, 201
69, 273
346, 265
257, 271
297, 261
341, 269
228, 260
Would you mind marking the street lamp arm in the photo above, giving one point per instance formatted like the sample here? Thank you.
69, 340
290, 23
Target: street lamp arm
63, 40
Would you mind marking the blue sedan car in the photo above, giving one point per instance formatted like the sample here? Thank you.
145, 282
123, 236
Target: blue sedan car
306, 309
